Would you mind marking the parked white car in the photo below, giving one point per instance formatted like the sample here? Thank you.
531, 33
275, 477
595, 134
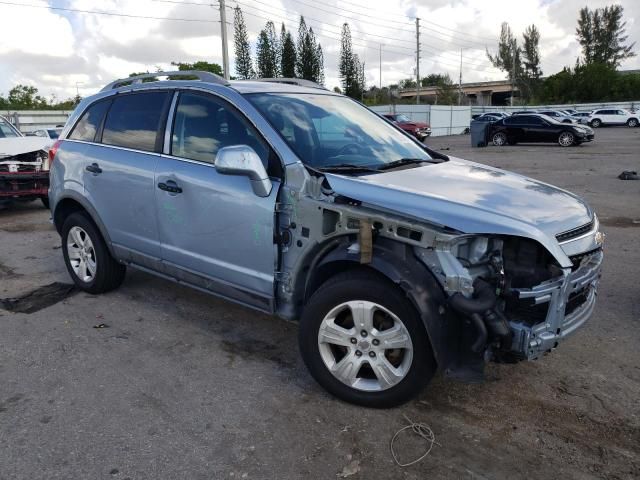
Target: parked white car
612, 116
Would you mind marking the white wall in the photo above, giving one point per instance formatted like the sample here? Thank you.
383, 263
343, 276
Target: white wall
30, 120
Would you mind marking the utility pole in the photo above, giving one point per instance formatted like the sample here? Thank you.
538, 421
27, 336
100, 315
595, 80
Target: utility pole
417, 61
225, 46
460, 81
513, 72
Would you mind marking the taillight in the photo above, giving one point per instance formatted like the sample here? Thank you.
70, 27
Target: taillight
52, 152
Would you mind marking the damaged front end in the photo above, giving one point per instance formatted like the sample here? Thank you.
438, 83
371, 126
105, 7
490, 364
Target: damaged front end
24, 176
514, 294
501, 297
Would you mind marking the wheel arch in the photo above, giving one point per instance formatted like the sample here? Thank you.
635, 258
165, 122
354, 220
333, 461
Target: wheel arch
397, 263
72, 203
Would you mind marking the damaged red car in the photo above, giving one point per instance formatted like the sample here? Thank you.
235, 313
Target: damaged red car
420, 130
24, 166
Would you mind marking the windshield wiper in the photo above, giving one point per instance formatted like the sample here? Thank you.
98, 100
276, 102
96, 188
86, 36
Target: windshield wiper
403, 161
345, 167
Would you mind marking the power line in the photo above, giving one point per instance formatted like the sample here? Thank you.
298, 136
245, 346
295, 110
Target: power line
111, 14
407, 22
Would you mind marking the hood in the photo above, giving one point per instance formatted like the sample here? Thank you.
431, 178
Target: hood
472, 198
10, 147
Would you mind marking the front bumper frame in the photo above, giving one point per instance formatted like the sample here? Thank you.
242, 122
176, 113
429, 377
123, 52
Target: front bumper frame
531, 342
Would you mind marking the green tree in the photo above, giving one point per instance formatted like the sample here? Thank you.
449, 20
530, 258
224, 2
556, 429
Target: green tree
244, 64
349, 65
529, 83
309, 58
507, 58
601, 34
25, 97
274, 44
201, 66
266, 65
289, 55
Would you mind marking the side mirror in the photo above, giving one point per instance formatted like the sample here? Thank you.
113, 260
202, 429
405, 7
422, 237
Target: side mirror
243, 160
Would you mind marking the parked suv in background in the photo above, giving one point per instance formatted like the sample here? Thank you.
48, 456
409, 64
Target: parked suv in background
420, 130
616, 116
296, 201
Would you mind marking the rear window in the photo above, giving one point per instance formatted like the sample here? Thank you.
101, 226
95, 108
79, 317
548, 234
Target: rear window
134, 120
90, 121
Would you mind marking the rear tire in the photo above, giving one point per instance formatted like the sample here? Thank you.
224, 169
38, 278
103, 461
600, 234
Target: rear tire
358, 361
632, 122
499, 139
87, 257
45, 201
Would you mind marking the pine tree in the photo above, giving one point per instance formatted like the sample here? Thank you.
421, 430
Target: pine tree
318, 71
601, 34
244, 64
288, 62
265, 58
530, 62
301, 62
274, 44
349, 67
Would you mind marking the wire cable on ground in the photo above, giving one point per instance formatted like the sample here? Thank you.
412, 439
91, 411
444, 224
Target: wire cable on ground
422, 430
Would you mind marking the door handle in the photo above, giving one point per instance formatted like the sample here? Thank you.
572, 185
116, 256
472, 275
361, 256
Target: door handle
94, 168
170, 186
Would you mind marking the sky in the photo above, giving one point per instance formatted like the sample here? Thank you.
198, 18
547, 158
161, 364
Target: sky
65, 51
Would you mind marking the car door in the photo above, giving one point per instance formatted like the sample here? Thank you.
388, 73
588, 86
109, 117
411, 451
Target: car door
118, 167
215, 232
621, 117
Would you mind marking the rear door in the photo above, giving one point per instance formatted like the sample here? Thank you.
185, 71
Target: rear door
118, 173
215, 232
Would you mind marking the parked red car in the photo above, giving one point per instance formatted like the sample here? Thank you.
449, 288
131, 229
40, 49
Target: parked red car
419, 130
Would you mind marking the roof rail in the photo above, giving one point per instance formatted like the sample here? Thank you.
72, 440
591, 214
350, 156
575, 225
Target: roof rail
202, 76
301, 82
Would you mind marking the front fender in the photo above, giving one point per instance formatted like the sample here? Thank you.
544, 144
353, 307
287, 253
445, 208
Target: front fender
397, 262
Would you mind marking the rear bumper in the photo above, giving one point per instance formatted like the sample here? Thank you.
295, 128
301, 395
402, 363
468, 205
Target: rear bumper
23, 184
570, 301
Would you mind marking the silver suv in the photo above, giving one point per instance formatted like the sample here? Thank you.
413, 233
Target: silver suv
290, 199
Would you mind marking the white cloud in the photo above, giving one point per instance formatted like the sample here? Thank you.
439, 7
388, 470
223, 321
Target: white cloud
54, 49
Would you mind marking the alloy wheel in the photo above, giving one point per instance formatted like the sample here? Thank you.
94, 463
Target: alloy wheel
82, 255
499, 139
566, 139
365, 346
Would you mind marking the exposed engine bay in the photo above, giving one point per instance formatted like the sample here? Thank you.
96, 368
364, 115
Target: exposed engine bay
505, 298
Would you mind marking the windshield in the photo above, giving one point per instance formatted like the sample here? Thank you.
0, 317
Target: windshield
329, 130
7, 130
54, 134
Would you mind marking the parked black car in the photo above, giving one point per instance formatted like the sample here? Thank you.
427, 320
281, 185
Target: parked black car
538, 128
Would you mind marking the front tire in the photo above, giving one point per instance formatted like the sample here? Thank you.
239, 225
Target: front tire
632, 122
566, 139
87, 257
595, 123
45, 201
364, 342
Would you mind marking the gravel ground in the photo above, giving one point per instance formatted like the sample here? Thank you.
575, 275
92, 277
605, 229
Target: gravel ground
182, 385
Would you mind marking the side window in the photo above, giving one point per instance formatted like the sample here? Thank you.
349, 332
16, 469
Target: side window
619, 112
511, 120
90, 121
204, 124
134, 120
